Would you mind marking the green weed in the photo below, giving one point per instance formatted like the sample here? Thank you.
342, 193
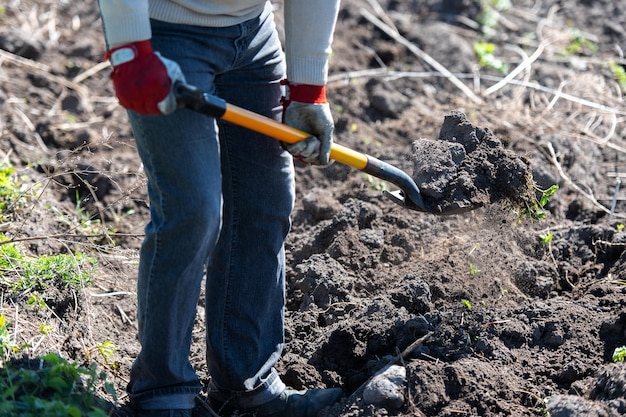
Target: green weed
8, 345
13, 194
57, 388
546, 195
45, 328
620, 74
81, 220
22, 272
579, 44
486, 58
106, 350
490, 10
85, 223
547, 238
376, 184
536, 211
619, 354
36, 300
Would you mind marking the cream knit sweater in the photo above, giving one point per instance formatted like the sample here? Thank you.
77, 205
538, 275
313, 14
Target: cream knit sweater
309, 26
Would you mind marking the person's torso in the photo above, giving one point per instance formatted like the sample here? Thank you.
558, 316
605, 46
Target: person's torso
206, 12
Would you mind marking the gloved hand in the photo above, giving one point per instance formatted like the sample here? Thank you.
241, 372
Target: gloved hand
143, 79
306, 109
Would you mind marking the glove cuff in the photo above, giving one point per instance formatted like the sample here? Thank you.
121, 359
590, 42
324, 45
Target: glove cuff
129, 52
306, 93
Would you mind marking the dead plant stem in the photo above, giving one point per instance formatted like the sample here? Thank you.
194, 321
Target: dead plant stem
521, 67
568, 180
395, 35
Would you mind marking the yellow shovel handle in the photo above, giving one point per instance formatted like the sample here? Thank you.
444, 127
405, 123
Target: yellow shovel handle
272, 128
409, 195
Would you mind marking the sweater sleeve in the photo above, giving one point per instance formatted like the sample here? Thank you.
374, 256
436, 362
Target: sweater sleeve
309, 28
124, 21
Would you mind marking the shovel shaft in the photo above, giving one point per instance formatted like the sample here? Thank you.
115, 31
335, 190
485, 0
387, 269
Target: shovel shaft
339, 153
285, 133
215, 107
192, 98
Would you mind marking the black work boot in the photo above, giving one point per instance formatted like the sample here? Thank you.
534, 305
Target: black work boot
291, 403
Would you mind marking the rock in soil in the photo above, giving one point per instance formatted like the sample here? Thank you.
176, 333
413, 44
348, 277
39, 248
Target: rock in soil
387, 388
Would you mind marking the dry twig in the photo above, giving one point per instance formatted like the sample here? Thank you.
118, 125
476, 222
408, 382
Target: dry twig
46, 72
568, 180
395, 35
521, 67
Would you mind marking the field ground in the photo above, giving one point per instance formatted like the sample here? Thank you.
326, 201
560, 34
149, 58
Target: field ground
489, 316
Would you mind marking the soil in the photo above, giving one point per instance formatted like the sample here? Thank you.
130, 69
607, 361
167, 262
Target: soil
486, 313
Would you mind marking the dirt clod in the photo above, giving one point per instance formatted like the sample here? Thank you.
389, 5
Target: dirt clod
467, 167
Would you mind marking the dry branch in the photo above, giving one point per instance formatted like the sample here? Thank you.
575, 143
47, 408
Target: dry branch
521, 67
568, 180
385, 73
91, 71
381, 13
420, 54
46, 72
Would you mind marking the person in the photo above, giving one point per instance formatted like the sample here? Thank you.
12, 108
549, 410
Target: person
220, 195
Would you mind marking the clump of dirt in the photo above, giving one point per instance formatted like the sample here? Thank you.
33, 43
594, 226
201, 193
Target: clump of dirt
467, 167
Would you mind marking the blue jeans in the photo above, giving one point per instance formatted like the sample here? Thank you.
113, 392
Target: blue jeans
220, 201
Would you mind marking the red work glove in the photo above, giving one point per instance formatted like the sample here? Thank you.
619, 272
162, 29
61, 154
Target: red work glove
143, 79
306, 109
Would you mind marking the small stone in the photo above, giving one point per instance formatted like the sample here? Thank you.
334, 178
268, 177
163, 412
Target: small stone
387, 388
372, 238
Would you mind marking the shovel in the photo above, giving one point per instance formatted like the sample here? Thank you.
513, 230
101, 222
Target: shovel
408, 196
